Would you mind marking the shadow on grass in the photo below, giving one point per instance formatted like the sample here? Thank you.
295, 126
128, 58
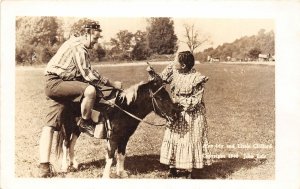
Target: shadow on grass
145, 164
92, 164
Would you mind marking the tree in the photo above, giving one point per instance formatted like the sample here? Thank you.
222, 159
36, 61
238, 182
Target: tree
35, 35
253, 53
98, 52
244, 47
77, 28
122, 45
140, 50
161, 36
194, 38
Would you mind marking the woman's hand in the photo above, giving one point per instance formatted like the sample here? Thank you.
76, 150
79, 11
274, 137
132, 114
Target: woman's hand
117, 85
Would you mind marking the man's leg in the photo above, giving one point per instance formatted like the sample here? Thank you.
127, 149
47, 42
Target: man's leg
45, 149
85, 123
45, 144
53, 122
77, 91
88, 102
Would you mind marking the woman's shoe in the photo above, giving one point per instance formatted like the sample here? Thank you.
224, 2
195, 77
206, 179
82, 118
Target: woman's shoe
189, 175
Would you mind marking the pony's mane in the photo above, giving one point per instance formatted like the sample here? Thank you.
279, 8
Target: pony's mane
130, 94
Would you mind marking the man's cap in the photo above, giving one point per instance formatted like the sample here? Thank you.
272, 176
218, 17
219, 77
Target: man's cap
92, 25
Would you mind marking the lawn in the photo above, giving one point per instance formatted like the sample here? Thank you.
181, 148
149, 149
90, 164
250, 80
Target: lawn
240, 101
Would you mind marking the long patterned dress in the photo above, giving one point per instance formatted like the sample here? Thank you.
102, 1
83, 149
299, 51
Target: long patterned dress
185, 142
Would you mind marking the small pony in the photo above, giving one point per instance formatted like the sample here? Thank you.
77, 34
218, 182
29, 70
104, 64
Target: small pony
131, 106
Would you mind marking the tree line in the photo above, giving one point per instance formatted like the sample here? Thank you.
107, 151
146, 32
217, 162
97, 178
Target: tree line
246, 48
38, 39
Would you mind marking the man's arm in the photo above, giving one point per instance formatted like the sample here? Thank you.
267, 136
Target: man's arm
90, 75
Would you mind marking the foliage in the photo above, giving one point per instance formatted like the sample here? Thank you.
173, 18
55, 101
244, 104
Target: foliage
37, 35
140, 50
97, 53
161, 36
253, 53
77, 28
41, 37
122, 45
244, 48
129, 46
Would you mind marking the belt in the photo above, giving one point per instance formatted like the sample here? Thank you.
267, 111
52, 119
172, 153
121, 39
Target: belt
51, 76
55, 76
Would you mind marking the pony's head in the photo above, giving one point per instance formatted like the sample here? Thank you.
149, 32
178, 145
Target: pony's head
144, 97
162, 103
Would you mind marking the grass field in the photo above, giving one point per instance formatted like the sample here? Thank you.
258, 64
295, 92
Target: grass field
240, 101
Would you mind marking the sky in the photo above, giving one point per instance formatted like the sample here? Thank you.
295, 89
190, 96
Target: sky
220, 30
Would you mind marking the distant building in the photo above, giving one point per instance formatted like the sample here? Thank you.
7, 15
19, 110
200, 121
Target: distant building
233, 59
266, 57
211, 59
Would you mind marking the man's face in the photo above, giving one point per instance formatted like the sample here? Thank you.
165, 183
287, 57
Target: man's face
92, 39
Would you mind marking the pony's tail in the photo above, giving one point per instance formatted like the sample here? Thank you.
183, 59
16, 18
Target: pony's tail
59, 142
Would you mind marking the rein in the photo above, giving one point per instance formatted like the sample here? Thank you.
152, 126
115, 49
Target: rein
137, 118
153, 104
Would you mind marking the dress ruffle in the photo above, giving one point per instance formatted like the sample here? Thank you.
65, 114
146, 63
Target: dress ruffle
186, 148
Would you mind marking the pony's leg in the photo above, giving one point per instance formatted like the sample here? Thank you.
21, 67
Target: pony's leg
110, 151
106, 172
73, 161
120, 166
121, 159
64, 164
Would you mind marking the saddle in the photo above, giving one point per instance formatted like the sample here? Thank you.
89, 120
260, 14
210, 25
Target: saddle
103, 127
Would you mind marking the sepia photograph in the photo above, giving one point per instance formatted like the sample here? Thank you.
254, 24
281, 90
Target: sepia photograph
174, 98
165, 135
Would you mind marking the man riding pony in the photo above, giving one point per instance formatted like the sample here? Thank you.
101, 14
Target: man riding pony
71, 79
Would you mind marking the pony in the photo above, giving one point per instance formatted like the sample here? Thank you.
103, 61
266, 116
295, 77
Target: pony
131, 106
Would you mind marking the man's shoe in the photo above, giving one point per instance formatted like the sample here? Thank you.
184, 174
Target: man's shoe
86, 126
46, 170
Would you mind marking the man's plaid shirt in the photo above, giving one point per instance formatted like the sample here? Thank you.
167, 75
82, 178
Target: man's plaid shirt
72, 62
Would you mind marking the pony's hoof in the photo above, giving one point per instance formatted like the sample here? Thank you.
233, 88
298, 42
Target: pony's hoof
73, 169
105, 176
75, 165
64, 169
122, 174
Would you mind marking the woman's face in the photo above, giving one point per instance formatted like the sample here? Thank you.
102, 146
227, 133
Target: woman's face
179, 67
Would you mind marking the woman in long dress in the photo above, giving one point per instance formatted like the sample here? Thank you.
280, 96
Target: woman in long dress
185, 141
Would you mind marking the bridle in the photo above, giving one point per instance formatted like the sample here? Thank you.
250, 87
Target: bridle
155, 106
